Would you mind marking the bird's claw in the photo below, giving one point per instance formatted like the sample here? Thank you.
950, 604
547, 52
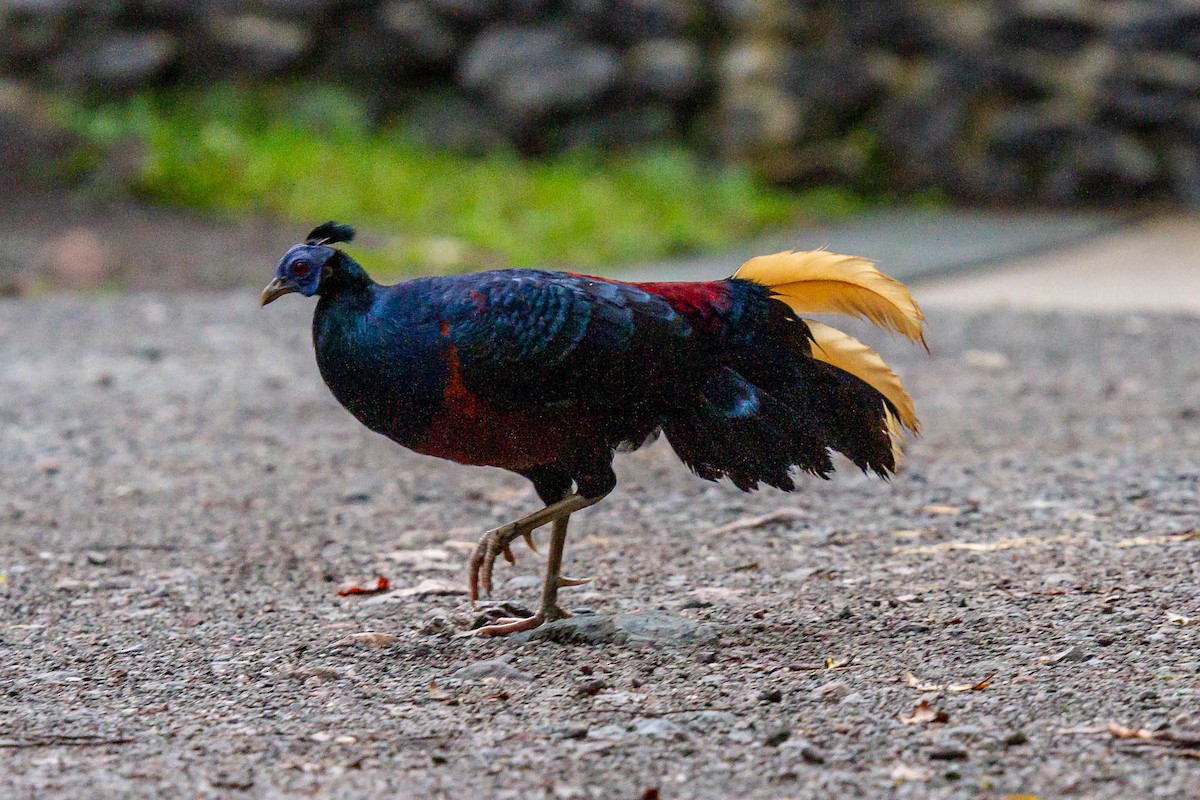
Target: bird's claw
495, 542
507, 625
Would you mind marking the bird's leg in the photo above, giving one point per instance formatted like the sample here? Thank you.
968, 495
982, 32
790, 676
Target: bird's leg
497, 540
550, 609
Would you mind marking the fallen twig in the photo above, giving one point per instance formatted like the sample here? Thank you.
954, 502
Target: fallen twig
1190, 739
749, 523
1180, 743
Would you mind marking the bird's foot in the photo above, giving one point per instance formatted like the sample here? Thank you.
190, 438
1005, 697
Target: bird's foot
507, 625
495, 542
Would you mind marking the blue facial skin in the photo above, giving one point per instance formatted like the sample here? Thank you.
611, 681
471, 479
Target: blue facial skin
300, 268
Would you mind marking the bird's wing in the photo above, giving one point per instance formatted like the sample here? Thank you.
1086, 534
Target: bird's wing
525, 337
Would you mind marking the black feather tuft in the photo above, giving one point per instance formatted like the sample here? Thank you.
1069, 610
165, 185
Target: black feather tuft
330, 233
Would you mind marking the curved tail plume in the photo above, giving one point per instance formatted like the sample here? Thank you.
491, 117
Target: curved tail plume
820, 282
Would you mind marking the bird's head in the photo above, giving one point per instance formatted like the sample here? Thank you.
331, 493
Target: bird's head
304, 266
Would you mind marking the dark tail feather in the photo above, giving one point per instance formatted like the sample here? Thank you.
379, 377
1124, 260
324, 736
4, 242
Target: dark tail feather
735, 430
854, 416
751, 436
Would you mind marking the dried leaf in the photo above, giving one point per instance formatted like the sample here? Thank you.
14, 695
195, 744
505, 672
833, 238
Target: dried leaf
978, 686
923, 686
836, 664
920, 685
381, 585
924, 714
1178, 619
368, 638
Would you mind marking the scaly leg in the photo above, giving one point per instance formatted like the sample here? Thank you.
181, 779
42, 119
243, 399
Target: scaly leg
497, 540
549, 610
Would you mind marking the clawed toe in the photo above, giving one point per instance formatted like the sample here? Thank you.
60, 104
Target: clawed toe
507, 625
494, 543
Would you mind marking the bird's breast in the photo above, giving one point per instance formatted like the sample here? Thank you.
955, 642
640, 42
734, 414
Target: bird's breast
470, 429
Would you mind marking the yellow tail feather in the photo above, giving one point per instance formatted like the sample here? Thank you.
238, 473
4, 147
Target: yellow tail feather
850, 355
820, 282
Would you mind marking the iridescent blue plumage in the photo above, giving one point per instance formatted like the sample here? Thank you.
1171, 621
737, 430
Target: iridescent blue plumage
548, 374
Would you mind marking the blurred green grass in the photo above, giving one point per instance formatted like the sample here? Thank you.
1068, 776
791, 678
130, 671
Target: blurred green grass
308, 154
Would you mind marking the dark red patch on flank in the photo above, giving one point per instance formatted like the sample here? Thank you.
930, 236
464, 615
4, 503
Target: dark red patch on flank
470, 430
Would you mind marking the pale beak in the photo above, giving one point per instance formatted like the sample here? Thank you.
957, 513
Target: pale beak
276, 288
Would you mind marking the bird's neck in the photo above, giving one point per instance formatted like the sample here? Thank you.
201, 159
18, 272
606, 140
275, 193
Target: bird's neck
346, 280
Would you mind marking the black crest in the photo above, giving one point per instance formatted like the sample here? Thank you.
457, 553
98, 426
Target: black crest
330, 233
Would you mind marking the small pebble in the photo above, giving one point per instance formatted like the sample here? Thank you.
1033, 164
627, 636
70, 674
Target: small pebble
771, 695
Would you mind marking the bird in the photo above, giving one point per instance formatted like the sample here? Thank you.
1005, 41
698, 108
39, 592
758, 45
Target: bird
549, 374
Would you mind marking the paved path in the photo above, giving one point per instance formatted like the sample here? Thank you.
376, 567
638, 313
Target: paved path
1154, 265
913, 244
180, 500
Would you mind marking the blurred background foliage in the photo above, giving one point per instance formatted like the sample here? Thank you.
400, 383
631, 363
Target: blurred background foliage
310, 152
464, 134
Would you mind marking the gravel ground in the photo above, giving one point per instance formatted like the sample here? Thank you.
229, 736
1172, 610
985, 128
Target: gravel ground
181, 499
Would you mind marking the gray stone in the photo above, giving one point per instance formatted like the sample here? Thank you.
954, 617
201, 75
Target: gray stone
450, 121
948, 749
808, 752
583, 629
529, 72
1166, 70
833, 691
830, 77
1031, 131
35, 8
118, 60
303, 8
420, 34
1183, 170
656, 727
1118, 157
653, 628
662, 628
376, 58
495, 669
706, 721
1049, 32
669, 68
631, 21
1132, 101
466, 11
259, 44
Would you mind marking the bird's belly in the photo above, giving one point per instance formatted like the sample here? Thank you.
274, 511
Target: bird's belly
475, 433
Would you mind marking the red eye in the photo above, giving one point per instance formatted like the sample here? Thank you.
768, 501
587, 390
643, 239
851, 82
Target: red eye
301, 268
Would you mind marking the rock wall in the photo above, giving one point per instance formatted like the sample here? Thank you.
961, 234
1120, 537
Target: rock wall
1059, 101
